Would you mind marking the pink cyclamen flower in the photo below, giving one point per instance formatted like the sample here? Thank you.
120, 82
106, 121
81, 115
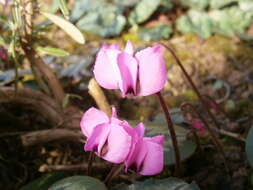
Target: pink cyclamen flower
199, 126
110, 138
146, 155
117, 142
135, 74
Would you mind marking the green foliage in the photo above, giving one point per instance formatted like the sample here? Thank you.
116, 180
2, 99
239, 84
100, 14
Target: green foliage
64, 8
170, 183
105, 20
249, 147
78, 183
217, 4
230, 21
143, 10
195, 4
43, 182
197, 22
52, 51
156, 33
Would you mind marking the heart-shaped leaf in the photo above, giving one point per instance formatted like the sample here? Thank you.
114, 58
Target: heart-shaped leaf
170, 183
78, 183
44, 182
249, 147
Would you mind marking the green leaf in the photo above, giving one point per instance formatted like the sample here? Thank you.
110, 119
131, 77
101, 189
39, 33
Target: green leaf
52, 51
170, 183
78, 183
105, 21
156, 33
246, 5
64, 8
195, 22
195, 4
143, 10
249, 147
251, 179
2, 41
82, 7
217, 4
68, 27
43, 182
231, 21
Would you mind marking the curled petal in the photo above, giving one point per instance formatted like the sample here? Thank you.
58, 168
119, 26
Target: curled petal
91, 118
152, 70
106, 70
98, 138
128, 71
153, 161
136, 156
118, 144
129, 48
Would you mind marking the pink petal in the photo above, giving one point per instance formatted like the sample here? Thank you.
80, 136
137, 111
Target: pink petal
105, 46
119, 143
128, 70
91, 118
152, 70
98, 138
153, 162
129, 48
136, 156
106, 70
140, 129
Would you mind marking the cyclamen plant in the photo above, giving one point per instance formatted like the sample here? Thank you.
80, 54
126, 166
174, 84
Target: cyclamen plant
135, 74
117, 142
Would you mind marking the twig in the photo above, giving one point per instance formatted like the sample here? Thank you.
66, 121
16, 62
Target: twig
230, 134
45, 136
77, 167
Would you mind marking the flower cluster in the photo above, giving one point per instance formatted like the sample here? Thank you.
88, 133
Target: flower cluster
116, 141
140, 74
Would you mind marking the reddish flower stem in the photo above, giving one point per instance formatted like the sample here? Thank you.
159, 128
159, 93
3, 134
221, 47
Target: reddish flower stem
116, 169
90, 162
172, 133
203, 102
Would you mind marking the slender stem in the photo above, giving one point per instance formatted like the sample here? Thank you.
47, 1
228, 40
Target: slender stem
90, 162
192, 84
172, 132
216, 141
116, 169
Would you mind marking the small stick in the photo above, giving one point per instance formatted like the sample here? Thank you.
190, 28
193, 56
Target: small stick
172, 133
